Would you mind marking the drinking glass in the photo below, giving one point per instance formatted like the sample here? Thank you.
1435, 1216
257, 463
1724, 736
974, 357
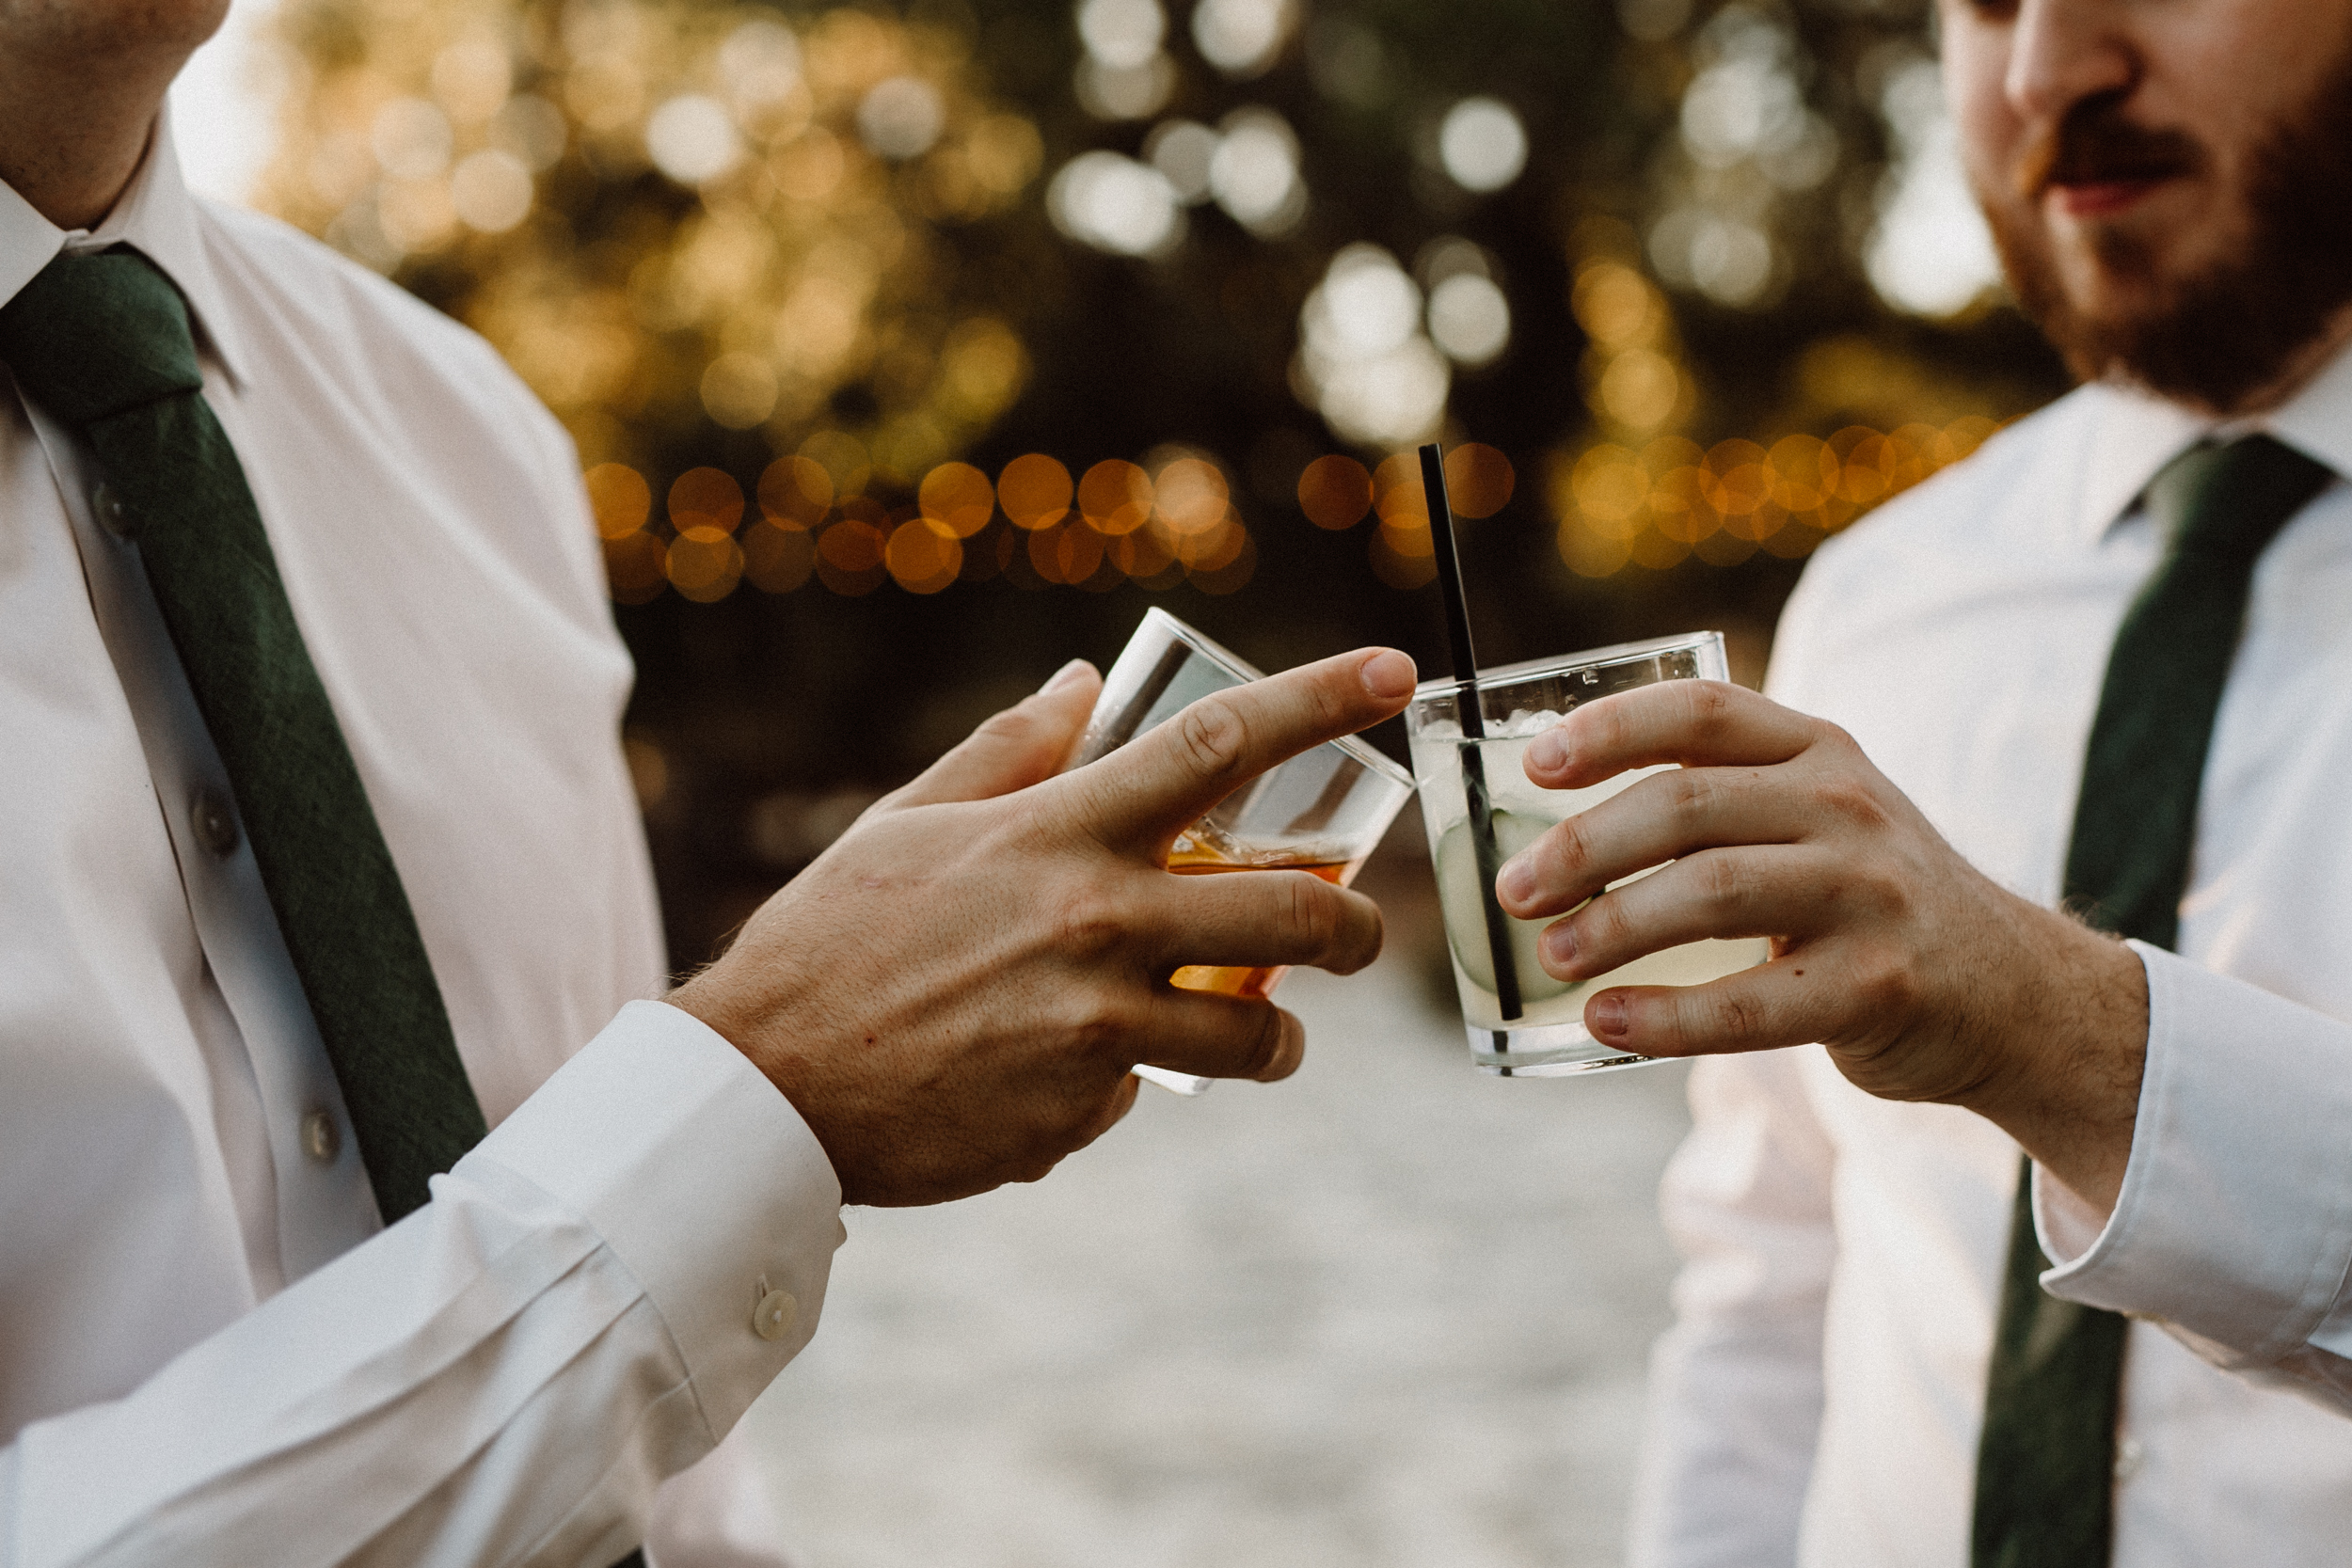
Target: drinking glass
1523, 1022
1323, 812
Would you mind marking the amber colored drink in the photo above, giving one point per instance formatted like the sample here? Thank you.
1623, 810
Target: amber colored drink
1193, 858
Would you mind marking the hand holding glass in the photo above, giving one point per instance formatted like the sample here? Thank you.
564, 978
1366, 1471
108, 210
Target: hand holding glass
1520, 1021
1322, 812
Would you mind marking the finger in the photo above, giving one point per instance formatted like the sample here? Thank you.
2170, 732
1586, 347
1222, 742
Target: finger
1656, 820
1212, 1036
1262, 919
1722, 894
1697, 724
1149, 790
1764, 1008
1024, 745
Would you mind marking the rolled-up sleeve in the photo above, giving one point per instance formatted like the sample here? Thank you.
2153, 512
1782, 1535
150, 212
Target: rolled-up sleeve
2234, 1224
592, 1299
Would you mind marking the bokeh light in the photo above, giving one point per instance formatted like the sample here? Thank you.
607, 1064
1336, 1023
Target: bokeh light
691, 139
1482, 144
1115, 497
663, 213
1335, 492
1254, 173
1374, 377
924, 555
619, 497
1183, 151
852, 552
958, 498
1035, 491
1672, 500
1241, 38
707, 499
1469, 318
1115, 204
795, 492
1191, 496
1479, 480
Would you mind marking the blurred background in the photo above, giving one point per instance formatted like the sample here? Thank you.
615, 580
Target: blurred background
912, 350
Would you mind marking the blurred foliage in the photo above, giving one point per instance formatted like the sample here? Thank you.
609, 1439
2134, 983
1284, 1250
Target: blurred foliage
784, 270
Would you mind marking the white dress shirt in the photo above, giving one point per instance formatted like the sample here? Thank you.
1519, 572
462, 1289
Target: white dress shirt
213, 1351
1819, 1397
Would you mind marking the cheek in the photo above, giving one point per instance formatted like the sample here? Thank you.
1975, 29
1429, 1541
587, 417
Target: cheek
1975, 69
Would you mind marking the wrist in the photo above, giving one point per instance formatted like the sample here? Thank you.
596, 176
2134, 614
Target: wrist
2070, 1052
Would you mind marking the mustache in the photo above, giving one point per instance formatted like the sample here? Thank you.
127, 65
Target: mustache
2093, 144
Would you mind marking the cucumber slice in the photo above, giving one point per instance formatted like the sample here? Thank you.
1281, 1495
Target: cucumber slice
1465, 920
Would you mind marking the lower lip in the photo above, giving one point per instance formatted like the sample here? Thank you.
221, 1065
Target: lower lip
2102, 198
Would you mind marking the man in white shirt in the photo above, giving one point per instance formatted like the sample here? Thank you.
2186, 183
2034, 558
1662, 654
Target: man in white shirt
2169, 182
216, 1351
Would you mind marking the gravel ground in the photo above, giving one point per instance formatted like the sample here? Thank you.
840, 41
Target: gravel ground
1391, 1312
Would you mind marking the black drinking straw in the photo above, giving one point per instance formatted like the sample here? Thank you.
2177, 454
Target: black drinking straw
1474, 720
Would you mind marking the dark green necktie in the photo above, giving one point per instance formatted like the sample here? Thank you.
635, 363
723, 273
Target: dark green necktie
2045, 1469
102, 343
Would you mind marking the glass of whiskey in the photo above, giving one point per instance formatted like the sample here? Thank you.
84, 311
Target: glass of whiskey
1322, 812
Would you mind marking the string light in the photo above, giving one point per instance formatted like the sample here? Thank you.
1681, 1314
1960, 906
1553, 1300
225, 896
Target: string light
1655, 505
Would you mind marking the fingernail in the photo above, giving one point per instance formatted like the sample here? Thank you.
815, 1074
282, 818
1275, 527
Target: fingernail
1388, 675
1548, 752
1516, 883
1605, 1017
1560, 946
1066, 676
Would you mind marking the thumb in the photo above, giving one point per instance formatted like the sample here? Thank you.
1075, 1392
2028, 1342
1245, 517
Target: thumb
1025, 744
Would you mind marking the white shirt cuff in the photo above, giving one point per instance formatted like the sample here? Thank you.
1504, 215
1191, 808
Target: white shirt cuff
704, 1182
2235, 1220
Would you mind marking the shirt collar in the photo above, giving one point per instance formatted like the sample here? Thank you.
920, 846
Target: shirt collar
156, 216
2137, 434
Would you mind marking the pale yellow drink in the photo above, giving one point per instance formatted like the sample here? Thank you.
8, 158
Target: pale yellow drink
1547, 1036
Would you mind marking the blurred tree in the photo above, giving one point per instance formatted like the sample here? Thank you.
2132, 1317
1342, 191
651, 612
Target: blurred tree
805, 280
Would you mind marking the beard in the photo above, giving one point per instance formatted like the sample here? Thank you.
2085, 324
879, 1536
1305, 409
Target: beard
2222, 335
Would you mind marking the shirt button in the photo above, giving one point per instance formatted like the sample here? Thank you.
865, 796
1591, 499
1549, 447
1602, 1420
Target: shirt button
2129, 1454
114, 514
772, 1318
322, 1140
216, 824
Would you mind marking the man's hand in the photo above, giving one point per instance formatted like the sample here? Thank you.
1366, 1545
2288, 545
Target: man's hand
1924, 979
952, 994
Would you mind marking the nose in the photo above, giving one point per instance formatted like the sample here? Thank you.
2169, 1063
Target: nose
2064, 51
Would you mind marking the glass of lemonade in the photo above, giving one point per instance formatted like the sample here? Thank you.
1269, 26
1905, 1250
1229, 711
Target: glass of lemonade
1544, 1034
1323, 812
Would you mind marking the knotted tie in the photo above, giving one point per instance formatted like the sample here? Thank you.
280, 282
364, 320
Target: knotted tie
102, 343
2045, 1467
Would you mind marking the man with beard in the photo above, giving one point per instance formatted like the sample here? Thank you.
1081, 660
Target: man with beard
2104, 667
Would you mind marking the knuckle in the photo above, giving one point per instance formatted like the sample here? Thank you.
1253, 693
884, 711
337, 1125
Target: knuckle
1215, 737
1604, 921
1834, 738
1710, 704
1740, 1021
1852, 801
1723, 882
1311, 916
1693, 795
1884, 984
1565, 850
1088, 923
1100, 1030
